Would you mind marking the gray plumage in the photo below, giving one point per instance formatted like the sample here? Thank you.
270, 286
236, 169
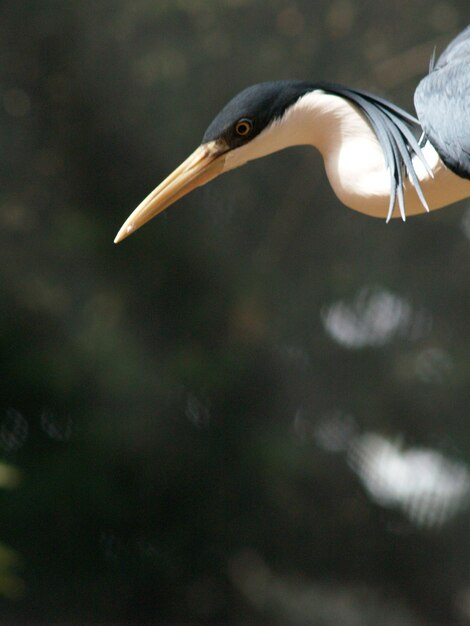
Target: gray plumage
442, 101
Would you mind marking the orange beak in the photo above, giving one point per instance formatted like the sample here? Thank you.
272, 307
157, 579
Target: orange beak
204, 164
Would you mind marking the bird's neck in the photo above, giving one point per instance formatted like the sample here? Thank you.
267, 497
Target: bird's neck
353, 157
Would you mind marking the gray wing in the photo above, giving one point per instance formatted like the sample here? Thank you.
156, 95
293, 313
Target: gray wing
442, 101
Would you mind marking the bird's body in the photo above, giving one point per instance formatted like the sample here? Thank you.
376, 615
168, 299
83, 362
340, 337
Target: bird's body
373, 159
354, 159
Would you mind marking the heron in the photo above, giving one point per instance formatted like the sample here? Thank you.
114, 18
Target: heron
379, 159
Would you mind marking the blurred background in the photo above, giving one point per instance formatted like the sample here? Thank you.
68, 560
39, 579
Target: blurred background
256, 409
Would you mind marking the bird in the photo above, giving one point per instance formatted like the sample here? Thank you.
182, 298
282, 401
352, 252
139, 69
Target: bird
380, 160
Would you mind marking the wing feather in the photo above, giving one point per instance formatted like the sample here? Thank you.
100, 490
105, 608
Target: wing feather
442, 101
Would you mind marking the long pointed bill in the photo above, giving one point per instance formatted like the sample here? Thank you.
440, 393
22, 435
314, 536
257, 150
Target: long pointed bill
204, 164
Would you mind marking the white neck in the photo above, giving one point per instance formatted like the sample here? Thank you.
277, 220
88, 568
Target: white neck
353, 157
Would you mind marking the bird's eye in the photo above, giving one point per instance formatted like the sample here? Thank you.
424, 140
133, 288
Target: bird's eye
244, 127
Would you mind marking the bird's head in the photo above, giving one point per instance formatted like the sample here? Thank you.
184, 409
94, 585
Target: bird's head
241, 132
